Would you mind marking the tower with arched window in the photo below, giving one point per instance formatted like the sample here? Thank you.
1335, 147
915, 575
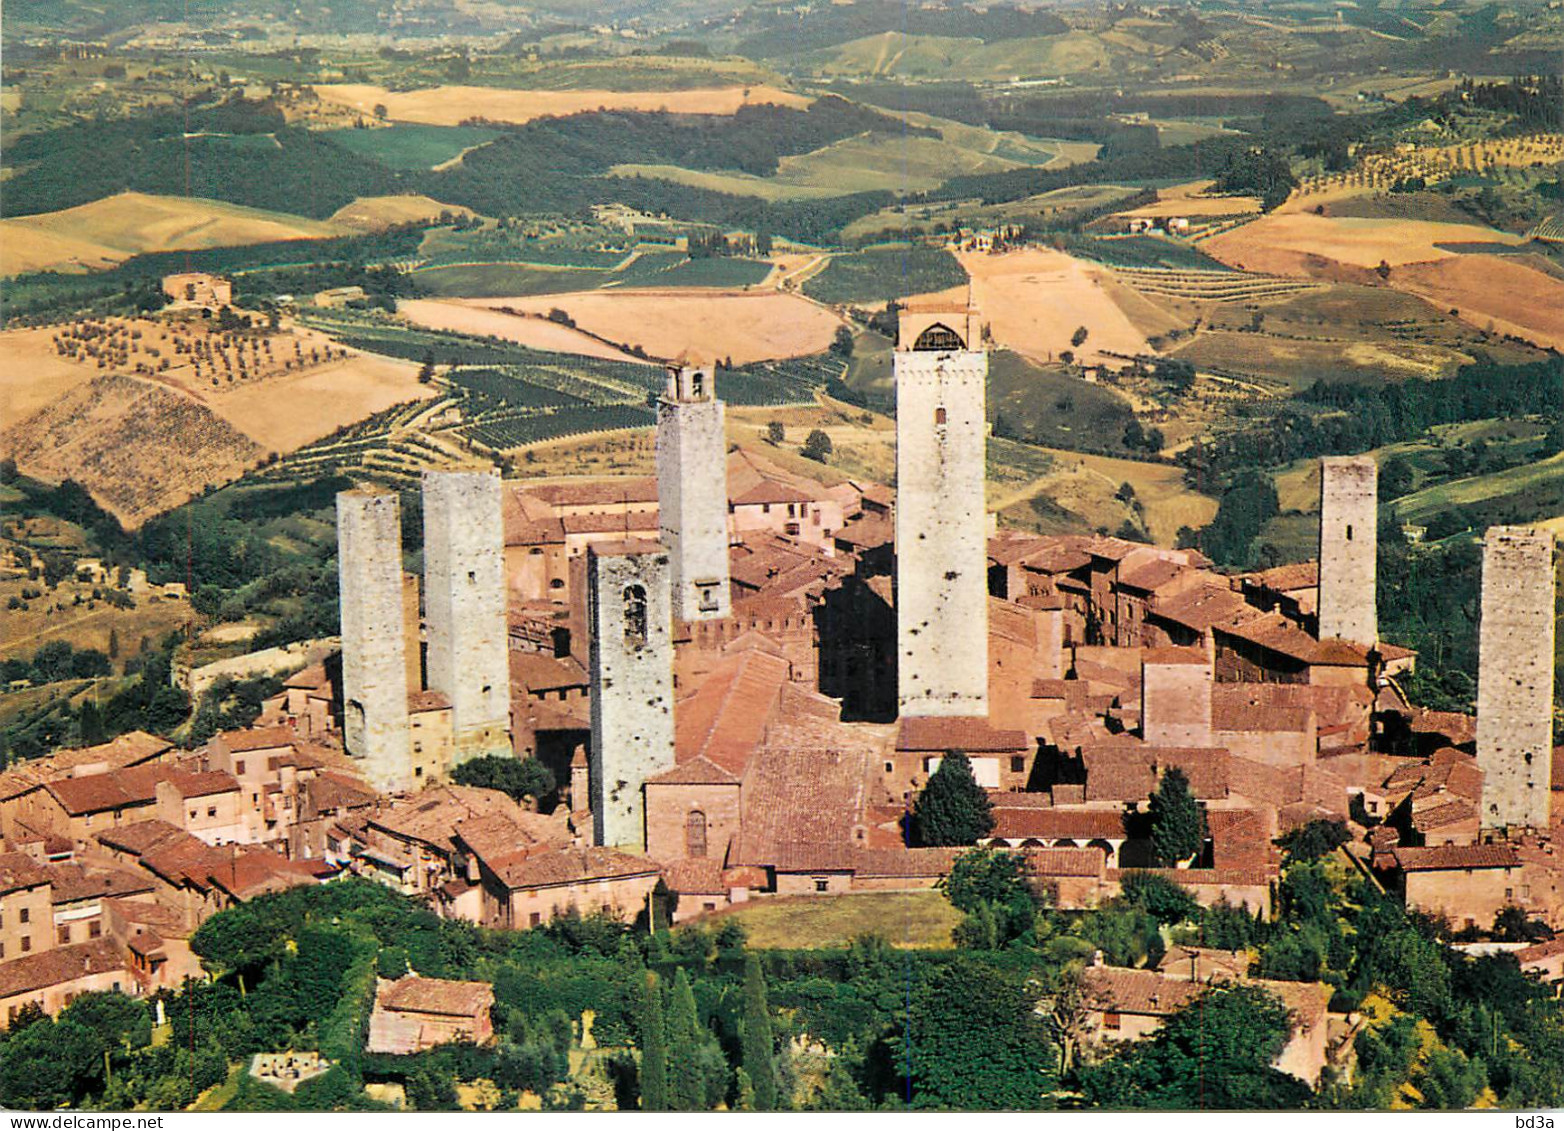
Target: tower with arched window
629, 612
692, 490
374, 663
941, 522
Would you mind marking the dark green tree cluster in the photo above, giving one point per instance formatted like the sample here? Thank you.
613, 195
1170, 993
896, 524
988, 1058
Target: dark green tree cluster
520, 778
953, 809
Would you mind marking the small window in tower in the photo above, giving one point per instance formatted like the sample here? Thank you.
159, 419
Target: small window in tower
698, 385
472, 575
939, 415
635, 616
1349, 531
695, 834
708, 595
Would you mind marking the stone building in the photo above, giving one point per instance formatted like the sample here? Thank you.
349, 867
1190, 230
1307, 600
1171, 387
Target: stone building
1176, 685
465, 607
692, 492
629, 595
1515, 677
374, 648
941, 524
413, 1014
197, 289
1349, 523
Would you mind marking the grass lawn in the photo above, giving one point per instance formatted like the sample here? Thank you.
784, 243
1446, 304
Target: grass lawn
505, 280
903, 918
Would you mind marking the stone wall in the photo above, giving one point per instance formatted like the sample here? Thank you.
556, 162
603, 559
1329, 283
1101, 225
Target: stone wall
630, 596
1515, 677
692, 494
374, 657
464, 607
1176, 699
1349, 525
941, 527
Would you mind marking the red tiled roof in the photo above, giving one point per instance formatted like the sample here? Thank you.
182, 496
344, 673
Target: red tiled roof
1073, 824
609, 492
1286, 578
971, 735
205, 783
700, 875
1541, 951
1170, 655
418, 701
1448, 857
571, 865
58, 966
260, 738
696, 771
19, 871
414, 994
725, 719
140, 837
547, 673
1152, 576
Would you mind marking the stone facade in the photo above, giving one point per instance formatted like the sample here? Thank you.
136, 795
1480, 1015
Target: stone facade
941, 524
374, 648
692, 493
1176, 697
629, 594
1349, 523
1515, 677
464, 607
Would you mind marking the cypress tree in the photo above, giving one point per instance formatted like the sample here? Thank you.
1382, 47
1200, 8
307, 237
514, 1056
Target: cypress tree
952, 809
757, 1037
654, 1047
684, 1065
1177, 825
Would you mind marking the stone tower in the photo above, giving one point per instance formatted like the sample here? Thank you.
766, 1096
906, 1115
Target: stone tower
941, 523
630, 599
1515, 677
1349, 534
464, 607
374, 646
692, 491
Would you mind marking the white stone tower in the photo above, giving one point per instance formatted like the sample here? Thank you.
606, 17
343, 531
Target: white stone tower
1515, 677
630, 598
1349, 543
374, 662
941, 523
692, 491
464, 607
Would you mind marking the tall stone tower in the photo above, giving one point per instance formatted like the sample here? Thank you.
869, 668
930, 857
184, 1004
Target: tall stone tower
1349, 541
1515, 677
941, 523
374, 659
692, 491
464, 606
1175, 697
630, 598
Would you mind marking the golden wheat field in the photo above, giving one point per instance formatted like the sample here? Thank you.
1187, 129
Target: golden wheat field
453, 105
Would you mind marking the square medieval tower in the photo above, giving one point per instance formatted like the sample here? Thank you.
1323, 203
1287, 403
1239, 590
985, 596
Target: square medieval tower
941, 522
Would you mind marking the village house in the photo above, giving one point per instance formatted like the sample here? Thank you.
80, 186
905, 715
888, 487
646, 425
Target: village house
413, 1014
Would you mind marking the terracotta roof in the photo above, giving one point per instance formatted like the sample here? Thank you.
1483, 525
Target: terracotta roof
116, 789
19, 871
1195, 657
204, 783
971, 735
309, 679
73, 883
867, 532
643, 523
1073, 824
596, 492
805, 792
1152, 576
58, 966
1459, 729
1053, 862
1130, 771
1286, 578
1541, 951
414, 994
330, 791
140, 837
572, 865
696, 771
1117, 989
700, 875
127, 750
419, 701
725, 719
1444, 815
547, 673
1448, 857
260, 738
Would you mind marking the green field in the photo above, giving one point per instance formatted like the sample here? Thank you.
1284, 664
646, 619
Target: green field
878, 274
504, 280
902, 918
1531, 492
1054, 408
411, 146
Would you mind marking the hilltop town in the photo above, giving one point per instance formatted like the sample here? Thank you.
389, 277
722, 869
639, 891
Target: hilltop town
741, 685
